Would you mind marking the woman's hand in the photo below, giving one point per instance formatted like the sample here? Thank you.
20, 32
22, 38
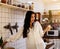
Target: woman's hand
48, 28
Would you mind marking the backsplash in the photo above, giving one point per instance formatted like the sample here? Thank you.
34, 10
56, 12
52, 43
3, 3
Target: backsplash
12, 16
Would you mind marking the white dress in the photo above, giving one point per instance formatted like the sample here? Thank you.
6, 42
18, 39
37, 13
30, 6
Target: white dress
34, 38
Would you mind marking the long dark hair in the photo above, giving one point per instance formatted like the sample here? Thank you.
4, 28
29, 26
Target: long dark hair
39, 15
27, 23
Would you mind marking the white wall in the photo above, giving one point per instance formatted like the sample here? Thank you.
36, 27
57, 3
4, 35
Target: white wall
53, 6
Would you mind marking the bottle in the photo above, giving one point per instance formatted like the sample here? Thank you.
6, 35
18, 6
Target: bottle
23, 5
3, 1
9, 2
32, 6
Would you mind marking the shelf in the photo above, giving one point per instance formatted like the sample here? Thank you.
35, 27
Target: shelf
52, 15
13, 7
45, 15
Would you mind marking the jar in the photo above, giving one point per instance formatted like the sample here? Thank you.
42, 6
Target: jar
29, 7
9, 2
23, 6
26, 5
3, 1
32, 6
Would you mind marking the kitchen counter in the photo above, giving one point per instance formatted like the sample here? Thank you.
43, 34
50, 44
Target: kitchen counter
52, 34
52, 37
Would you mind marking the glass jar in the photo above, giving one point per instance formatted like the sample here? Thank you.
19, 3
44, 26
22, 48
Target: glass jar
9, 2
32, 6
3, 1
26, 5
23, 6
29, 7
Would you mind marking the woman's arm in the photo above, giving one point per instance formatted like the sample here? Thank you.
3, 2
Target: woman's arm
38, 28
15, 36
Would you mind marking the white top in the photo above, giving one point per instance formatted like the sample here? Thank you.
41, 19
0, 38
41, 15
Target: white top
34, 37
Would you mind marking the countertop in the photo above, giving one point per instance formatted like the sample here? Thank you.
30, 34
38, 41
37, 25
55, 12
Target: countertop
52, 37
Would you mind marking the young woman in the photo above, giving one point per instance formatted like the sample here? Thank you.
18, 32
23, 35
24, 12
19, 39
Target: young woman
32, 31
45, 29
38, 15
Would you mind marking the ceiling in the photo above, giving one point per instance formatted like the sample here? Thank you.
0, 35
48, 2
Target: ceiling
51, 1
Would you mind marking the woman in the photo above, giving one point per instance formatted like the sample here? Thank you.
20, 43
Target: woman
45, 29
32, 31
38, 15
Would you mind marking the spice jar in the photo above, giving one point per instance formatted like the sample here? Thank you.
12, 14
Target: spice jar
26, 5
32, 6
29, 7
9, 2
23, 6
3, 1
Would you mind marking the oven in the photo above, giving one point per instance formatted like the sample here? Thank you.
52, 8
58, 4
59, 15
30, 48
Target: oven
53, 33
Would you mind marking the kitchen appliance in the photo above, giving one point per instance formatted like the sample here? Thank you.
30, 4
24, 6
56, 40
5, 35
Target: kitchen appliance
53, 33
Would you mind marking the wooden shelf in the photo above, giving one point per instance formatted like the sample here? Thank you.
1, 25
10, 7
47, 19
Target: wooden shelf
45, 15
52, 15
13, 7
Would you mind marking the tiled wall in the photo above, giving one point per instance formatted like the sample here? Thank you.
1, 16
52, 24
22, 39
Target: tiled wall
12, 16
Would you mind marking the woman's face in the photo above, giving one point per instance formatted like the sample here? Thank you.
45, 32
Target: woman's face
37, 16
32, 18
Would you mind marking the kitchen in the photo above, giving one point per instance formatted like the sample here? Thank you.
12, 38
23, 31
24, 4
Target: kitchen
12, 14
